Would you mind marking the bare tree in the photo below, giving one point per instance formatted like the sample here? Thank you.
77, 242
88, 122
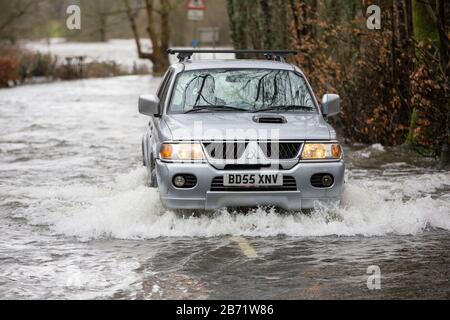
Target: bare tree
13, 12
100, 18
159, 40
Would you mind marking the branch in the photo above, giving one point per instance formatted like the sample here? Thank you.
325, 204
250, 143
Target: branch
134, 29
165, 24
16, 16
150, 28
438, 24
118, 12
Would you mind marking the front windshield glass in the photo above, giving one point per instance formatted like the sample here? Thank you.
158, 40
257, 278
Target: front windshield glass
244, 90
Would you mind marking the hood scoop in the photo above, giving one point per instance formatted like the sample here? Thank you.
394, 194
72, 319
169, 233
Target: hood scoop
269, 119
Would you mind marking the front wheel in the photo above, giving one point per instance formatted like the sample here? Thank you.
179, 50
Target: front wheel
151, 168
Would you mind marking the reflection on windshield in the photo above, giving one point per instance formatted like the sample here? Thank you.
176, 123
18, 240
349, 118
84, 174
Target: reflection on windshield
244, 90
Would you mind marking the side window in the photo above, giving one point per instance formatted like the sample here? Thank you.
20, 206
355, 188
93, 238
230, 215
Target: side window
299, 93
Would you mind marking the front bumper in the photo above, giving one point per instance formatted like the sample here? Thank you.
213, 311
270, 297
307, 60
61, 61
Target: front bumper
201, 197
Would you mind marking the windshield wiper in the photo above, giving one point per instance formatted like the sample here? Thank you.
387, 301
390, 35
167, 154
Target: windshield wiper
285, 107
215, 108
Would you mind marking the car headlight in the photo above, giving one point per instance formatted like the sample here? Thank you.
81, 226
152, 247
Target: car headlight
181, 151
320, 151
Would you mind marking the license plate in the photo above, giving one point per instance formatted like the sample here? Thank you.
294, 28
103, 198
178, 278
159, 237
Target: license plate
253, 179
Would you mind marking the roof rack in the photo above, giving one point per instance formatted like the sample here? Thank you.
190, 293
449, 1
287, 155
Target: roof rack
276, 55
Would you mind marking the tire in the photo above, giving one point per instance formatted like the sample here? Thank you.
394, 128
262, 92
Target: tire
144, 163
151, 170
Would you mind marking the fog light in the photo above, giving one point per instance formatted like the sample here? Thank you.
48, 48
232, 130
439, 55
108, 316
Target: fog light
179, 181
327, 180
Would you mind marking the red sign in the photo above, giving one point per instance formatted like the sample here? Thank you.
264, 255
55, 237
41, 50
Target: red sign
196, 5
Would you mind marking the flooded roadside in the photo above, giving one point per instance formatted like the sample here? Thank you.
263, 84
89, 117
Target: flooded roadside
79, 222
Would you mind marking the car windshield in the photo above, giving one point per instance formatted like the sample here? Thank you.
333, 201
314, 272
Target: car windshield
241, 90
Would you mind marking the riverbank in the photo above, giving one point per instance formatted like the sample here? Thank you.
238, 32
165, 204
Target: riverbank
29, 63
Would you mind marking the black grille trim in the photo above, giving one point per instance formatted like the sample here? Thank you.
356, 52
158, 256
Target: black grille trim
245, 166
289, 184
234, 150
225, 150
280, 150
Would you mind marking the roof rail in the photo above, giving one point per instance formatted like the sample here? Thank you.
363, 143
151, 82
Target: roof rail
276, 55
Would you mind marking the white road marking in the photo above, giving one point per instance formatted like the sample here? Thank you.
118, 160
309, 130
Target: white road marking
245, 246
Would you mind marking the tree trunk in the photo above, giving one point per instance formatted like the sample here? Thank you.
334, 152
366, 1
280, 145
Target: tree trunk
424, 29
444, 48
424, 26
402, 58
102, 27
235, 13
160, 43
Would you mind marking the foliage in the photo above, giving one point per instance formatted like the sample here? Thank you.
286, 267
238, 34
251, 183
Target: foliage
258, 24
431, 97
393, 87
18, 65
7, 71
339, 55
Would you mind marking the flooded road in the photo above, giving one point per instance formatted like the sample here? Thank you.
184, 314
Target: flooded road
77, 220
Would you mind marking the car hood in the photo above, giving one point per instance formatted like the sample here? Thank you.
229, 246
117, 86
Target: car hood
232, 125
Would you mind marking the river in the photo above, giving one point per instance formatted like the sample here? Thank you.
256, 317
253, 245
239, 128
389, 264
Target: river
78, 222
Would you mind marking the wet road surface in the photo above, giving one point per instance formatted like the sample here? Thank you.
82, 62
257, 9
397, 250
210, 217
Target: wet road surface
77, 220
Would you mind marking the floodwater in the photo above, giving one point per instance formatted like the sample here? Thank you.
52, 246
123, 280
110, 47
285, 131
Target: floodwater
78, 222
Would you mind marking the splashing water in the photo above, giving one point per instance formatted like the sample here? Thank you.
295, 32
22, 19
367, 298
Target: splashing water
78, 220
127, 209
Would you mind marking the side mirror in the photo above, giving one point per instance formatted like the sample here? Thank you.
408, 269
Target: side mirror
330, 104
149, 105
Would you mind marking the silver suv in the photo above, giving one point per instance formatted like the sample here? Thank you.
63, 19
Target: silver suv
241, 133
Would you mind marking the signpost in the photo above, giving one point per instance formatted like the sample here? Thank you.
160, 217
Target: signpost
196, 9
195, 12
208, 35
195, 15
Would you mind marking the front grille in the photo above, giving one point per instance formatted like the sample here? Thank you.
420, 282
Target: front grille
289, 184
225, 150
280, 150
234, 150
246, 166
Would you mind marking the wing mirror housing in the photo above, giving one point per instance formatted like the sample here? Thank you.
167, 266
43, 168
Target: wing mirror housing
331, 104
149, 105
